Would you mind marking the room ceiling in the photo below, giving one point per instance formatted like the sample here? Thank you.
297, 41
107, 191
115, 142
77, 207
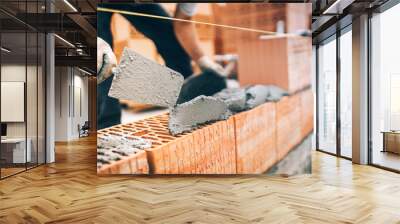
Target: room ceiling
72, 20
329, 14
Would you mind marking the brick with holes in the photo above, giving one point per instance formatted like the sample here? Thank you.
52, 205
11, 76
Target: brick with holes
120, 153
210, 149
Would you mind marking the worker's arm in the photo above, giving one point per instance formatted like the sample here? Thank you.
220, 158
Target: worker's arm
187, 36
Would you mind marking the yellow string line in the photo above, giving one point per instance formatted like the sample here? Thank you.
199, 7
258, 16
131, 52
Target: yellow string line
188, 21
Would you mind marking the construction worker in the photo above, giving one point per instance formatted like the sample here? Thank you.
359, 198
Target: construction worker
177, 43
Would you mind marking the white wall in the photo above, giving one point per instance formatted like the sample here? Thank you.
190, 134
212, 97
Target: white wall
71, 102
14, 73
33, 126
61, 103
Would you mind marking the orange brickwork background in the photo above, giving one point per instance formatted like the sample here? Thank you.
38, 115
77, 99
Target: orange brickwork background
279, 61
257, 16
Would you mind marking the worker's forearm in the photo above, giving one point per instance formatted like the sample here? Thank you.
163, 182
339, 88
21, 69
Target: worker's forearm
187, 36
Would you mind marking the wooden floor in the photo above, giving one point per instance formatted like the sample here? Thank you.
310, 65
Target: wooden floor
10, 171
70, 192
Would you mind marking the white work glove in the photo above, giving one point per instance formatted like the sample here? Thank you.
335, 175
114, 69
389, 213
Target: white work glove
106, 60
206, 64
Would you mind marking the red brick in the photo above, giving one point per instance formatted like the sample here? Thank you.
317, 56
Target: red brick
307, 112
207, 150
255, 139
288, 124
134, 164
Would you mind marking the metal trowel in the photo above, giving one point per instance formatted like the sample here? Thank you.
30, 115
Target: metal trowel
145, 81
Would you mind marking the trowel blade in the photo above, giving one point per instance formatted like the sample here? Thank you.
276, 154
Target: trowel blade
144, 81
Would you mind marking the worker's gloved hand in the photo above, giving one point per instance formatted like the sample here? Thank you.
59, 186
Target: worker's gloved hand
206, 64
106, 60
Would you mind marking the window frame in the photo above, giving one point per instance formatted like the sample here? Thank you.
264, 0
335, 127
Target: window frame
347, 27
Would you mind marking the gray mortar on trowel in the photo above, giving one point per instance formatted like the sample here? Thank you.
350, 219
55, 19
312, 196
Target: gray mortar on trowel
202, 109
145, 81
